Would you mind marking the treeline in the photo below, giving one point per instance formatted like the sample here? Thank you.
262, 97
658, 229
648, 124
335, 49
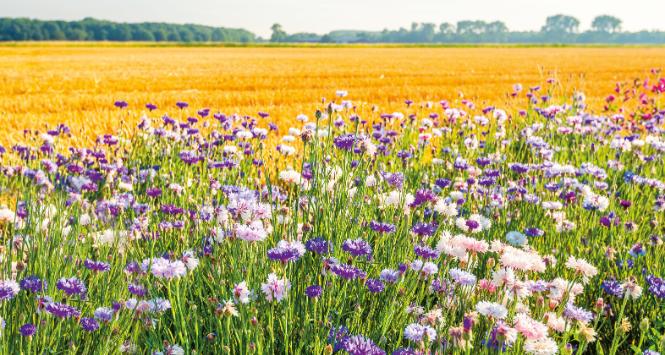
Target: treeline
557, 29
89, 29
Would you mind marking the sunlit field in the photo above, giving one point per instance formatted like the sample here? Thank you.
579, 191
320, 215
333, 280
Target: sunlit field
78, 85
332, 200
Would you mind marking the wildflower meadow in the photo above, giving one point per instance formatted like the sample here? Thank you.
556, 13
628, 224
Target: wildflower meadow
444, 227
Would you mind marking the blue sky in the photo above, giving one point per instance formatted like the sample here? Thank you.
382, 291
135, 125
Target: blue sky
324, 15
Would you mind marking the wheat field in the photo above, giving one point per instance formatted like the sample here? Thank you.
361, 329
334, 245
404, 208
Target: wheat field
42, 85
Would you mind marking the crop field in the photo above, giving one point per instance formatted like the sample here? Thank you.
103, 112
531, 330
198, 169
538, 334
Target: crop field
53, 84
352, 200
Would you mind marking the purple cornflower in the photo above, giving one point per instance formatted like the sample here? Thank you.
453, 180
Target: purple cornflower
486, 181
483, 161
104, 314
637, 250
284, 253
442, 183
357, 247
28, 330
72, 286
120, 104
374, 285
389, 275
347, 271
612, 287
439, 286
608, 220
404, 155
359, 345
576, 313
494, 342
402, 268
656, 286
394, 179
424, 229
460, 164
468, 323
133, 267
62, 310
462, 277
33, 284
98, 266
8, 289
137, 290
381, 227
318, 246
519, 168
534, 232
425, 252
203, 113
538, 286
189, 157
421, 197
345, 141
171, 209
337, 337
151, 107
313, 291
181, 105
153, 192
655, 240
89, 324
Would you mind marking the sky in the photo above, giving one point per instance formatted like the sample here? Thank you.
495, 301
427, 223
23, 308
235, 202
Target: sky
321, 16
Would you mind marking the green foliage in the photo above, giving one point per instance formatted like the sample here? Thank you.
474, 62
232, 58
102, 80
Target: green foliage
89, 29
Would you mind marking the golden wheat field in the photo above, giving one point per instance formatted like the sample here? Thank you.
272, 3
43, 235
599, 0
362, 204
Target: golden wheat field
42, 85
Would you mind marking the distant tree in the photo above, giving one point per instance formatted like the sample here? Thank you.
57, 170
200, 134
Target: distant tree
426, 32
446, 28
495, 32
606, 23
471, 27
173, 37
143, 35
496, 27
326, 39
561, 24
278, 34
160, 35
53, 32
186, 35
76, 34
218, 35
120, 32
303, 37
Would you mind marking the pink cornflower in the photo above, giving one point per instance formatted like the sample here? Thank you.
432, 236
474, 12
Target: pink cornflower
522, 260
164, 268
529, 327
241, 292
582, 267
470, 244
275, 288
253, 232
